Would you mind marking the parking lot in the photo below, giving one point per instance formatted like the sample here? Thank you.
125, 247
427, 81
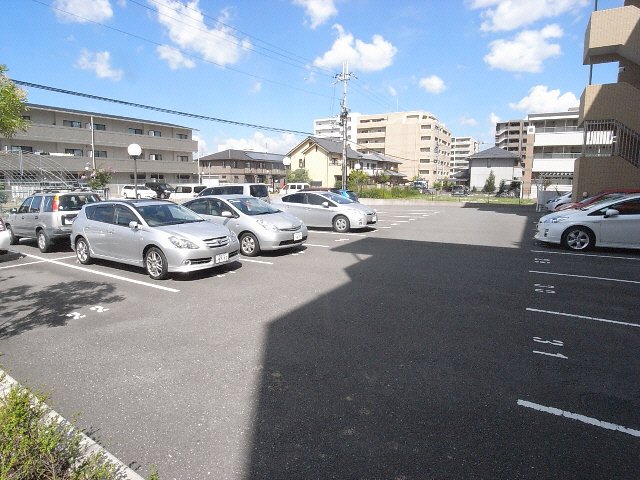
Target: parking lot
443, 343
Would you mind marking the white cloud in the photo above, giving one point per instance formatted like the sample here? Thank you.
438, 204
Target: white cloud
99, 63
468, 121
542, 100
257, 87
433, 84
392, 91
83, 10
318, 11
493, 119
186, 28
505, 15
203, 148
366, 57
259, 142
174, 57
526, 52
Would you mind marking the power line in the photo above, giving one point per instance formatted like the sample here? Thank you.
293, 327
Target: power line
158, 109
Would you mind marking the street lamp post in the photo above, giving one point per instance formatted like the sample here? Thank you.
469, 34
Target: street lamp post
134, 151
286, 161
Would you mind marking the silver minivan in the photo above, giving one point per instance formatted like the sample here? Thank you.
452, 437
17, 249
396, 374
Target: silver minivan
259, 225
159, 235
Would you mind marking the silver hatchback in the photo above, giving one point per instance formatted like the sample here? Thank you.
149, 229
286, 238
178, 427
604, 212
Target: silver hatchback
259, 226
159, 235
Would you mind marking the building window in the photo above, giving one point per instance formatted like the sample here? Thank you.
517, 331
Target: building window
21, 148
183, 158
157, 176
99, 126
182, 176
155, 156
141, 176
101, 154
425, 160
182, 136
155, 133
71, 123
423, 172
301, 163
26, 117
76, 152
135, 131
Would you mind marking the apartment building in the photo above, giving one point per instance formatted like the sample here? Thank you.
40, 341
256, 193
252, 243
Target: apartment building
609, 112
79, 141
548, 145
461, 149
330, 128
239, 166
417, 138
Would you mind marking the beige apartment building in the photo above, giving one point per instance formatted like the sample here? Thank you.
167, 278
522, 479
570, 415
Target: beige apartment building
461, 149
68, 143
416, 138
609, 112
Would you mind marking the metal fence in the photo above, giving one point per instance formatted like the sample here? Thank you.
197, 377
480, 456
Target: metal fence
606, 138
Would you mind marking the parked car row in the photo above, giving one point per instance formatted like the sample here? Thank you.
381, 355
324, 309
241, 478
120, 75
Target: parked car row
614, 222
164, 237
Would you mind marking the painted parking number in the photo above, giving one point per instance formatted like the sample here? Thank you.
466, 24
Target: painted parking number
555, 343
540, 288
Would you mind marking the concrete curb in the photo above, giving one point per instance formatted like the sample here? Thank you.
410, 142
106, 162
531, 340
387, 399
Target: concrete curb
90, 446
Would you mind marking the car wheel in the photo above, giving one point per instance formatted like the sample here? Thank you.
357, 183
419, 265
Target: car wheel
156, 264
341, 224
13, 240
44, 242
578, 238
249, 245
82, 251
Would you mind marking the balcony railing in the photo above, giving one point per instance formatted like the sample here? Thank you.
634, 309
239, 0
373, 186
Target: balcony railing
609, 138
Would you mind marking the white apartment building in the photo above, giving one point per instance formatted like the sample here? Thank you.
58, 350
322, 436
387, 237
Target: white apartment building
416, 138
461, 148
330, 128
549, 144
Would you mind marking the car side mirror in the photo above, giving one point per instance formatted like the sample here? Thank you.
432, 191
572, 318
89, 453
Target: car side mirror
13, 210
133, 225
325, 204
227, 214
611, 213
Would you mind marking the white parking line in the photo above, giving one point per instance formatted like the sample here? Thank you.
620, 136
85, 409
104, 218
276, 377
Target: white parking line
586, 276
255, 261
548, 252
314, 245
104, 274
32, 263
336, 233
581, 418
583, 317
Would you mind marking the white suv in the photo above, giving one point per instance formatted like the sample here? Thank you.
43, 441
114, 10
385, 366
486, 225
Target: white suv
129, 191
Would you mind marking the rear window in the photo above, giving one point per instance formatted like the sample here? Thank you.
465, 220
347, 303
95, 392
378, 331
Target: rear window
258, 191
198, 189
74, 202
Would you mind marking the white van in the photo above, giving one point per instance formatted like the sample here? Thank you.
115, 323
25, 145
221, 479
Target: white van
186, 191
293, 188
258, 190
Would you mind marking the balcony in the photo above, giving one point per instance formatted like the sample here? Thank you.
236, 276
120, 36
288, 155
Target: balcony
608, 138
617, 101
613, 35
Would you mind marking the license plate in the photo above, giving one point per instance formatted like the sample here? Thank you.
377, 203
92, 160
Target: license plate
297, 236
375, 218
223, 257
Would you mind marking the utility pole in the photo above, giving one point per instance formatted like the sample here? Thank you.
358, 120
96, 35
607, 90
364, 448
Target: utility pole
344, 115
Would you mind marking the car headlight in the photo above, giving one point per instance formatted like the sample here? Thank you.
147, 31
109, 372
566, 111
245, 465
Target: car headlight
555, 219
182, 243
266, 225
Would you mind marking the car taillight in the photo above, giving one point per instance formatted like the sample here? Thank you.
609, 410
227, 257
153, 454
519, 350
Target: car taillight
54, 206
2, 227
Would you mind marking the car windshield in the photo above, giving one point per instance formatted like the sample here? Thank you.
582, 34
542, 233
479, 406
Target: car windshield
167, 214
252, 206
599, 201
336, 198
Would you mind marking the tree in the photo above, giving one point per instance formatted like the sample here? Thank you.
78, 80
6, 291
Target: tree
356, 179
99, 179
382, 178
490, 184
299, 175
12, 101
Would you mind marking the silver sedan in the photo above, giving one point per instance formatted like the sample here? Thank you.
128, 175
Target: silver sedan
326, 209
158, 235
258, 225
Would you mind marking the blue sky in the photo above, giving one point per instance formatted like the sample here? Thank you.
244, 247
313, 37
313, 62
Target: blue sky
273, 62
